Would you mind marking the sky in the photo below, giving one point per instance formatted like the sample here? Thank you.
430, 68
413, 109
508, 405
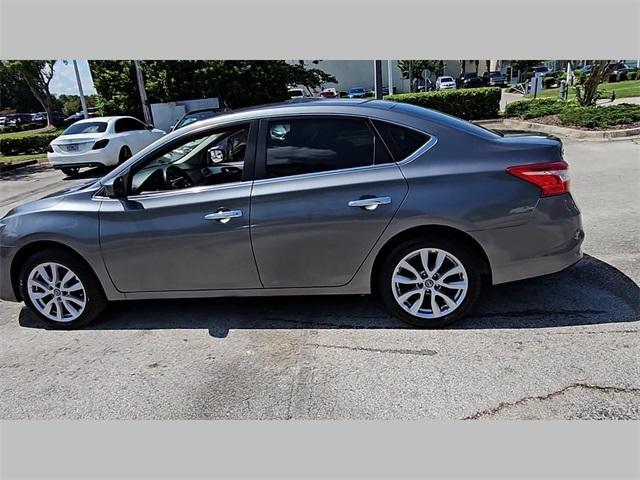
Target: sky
64, 78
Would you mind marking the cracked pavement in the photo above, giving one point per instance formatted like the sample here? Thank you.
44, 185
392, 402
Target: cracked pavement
565, 346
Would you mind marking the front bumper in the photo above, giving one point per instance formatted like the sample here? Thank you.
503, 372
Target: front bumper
551, 241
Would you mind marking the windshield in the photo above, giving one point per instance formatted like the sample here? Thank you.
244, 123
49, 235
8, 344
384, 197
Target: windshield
194, 117
540, 69
357, 90
446, 79
85, 127
471, 75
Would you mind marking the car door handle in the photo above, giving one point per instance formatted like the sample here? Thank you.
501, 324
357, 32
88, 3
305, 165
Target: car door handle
223, 216
370, 203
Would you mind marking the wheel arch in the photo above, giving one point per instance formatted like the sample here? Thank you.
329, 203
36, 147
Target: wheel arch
29, 249
424, 231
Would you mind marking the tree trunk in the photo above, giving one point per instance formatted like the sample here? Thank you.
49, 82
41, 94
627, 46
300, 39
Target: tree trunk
589, 93
45, 102
488, 65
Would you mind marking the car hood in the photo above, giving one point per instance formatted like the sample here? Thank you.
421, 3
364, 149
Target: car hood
53, 199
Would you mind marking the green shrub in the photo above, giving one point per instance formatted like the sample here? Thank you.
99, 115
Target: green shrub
549, 82
612, 78
600, 116
469, 104
538, 107
26, 144
632, 75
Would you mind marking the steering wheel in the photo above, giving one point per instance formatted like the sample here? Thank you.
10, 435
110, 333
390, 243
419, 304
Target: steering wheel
175, 178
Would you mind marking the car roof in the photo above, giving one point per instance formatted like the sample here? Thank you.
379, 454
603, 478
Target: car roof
315, 105
104, 119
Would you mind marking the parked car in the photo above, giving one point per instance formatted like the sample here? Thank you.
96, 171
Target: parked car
586, 69
357, 92
323, 197
74, 118
532, 72
494, 79
99, 142
470, 80
196, 116
40, 118
329, 93
620, 68
445, 83
2, 120
17, 121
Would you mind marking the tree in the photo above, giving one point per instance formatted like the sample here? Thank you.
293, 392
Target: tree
463, 67
15, 95
237, 83
71, 104
37, 74
587, 94
414, 68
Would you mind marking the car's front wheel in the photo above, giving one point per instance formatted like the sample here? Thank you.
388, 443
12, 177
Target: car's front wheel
430, 282
60, 289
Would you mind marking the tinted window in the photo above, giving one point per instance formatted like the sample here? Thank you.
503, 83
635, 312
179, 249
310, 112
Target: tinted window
128, 125
195, 117
86, 127
401, 141
297, 146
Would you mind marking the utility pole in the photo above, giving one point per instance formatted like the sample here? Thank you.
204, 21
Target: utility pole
390, 76
83, 102
411, 76
377, 78
143, 94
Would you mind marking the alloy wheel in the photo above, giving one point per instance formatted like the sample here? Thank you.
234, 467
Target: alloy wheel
56, 292
429, 283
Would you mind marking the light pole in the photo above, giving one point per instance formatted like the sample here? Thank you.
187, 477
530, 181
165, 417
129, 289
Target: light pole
390, 76
83, 102
143, 94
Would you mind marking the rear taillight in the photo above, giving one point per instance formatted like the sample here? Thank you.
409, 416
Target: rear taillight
49, 148
551, 177
100, 144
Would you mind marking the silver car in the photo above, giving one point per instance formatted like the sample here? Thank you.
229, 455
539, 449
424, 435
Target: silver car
324, 197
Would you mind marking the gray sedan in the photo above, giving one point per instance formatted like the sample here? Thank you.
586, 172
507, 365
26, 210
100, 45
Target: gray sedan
323, 197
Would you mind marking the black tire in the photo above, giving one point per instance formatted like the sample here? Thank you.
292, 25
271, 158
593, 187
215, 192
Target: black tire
70, 171
471, 264
95, 299
125, 154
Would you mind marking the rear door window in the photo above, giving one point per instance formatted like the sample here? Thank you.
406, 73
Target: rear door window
308, 145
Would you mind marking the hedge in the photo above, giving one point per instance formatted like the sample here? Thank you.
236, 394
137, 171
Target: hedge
600, 116
533, 108
469, 104
27, 144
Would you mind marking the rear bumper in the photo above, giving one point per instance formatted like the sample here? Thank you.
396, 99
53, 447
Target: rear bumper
92, 158
551, 241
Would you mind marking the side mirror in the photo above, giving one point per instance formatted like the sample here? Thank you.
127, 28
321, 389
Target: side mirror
216, 154
116, 188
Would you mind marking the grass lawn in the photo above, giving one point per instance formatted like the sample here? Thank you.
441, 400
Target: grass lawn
20, 158
28, 133
628, 88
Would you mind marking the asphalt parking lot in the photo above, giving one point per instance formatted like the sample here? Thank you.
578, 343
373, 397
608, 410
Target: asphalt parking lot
564, 346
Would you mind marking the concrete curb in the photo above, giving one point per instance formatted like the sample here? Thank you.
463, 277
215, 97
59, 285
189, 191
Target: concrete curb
6, 167
563, 131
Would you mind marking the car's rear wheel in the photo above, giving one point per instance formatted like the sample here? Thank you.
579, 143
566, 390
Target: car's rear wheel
70, 171
125, 154
60, 289
430, 282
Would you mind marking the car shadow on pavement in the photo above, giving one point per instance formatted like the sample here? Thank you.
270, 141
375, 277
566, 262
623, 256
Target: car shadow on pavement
591, 292
26, 173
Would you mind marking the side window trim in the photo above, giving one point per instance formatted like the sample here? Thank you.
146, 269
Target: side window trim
260, 169
430, 139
